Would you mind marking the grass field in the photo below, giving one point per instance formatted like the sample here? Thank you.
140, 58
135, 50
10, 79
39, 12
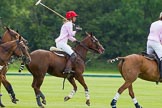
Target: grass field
102, 90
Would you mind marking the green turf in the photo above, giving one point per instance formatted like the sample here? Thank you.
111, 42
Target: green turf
102, 90
100, 66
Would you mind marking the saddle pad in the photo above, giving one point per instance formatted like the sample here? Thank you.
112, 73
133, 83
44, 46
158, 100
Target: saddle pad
62, 55
52, 48
56, 50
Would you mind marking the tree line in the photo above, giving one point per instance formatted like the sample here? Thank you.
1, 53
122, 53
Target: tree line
121, 26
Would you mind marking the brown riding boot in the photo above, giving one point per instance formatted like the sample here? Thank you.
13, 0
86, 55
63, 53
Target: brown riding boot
68, 68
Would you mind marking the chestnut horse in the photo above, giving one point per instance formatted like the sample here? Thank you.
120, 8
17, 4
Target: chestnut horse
131, 67
6, 51
44, 61
10, 35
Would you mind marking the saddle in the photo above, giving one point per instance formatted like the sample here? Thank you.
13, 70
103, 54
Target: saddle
59, 52
151, 57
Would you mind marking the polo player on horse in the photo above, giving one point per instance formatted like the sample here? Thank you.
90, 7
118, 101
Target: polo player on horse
66, 34
154, 42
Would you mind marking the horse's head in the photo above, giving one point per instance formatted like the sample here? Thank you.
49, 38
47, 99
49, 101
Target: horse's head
92, 43
11, 35
22, 51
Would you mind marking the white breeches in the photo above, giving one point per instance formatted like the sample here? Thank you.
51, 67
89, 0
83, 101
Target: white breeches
154, 46
65, 47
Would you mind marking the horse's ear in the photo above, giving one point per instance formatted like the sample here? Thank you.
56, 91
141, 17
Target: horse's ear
91, 34
6, 28
19, 38
87, 33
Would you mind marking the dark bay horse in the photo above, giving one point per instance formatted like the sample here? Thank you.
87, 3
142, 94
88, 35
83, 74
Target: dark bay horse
46, 61
10, 35
131, 67
6, 51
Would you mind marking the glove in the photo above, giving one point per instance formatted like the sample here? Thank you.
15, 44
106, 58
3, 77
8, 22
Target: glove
78, 28
77, 42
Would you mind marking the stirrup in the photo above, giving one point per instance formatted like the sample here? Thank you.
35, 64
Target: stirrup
69, 72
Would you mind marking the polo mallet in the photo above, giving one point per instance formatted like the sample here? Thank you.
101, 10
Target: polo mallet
39, 2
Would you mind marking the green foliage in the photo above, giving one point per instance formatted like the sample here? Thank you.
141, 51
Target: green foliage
121, 26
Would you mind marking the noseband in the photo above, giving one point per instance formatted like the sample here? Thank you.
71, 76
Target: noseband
22, 55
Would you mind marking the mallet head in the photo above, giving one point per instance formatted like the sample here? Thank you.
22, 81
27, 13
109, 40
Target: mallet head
38, 2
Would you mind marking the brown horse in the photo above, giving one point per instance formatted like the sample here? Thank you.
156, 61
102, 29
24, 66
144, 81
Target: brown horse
6, 51
46, 61
131, 67
10, 35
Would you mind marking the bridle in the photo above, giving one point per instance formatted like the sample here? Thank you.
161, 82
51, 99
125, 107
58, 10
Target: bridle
3, 61
87, 48
20, 48
13, 37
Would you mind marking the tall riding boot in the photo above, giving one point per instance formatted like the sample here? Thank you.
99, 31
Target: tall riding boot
68, 68
160, 69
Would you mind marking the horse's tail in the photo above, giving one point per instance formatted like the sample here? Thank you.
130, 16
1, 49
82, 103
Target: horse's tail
21, 67
115, 59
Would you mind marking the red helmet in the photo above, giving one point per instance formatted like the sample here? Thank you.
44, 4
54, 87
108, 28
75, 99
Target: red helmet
70, 14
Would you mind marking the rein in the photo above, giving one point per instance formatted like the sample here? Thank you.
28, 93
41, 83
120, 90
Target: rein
85, 47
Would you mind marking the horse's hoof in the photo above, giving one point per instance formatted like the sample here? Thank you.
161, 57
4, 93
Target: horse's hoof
113, 103
66, 98
14, 101
88, 102
44, 102
1, 105
137, 105
41, 106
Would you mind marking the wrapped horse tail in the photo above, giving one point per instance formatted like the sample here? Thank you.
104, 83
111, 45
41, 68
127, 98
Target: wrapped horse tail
115, 59
21, 67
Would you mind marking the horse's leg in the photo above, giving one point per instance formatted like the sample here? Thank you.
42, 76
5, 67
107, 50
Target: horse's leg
72, 93
120, 90
37, 82
8, 87
1, 105
82, 82
131, 93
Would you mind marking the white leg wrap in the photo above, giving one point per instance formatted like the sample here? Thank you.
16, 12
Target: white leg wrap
87, 95
72, 94
134, 100
116, 97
